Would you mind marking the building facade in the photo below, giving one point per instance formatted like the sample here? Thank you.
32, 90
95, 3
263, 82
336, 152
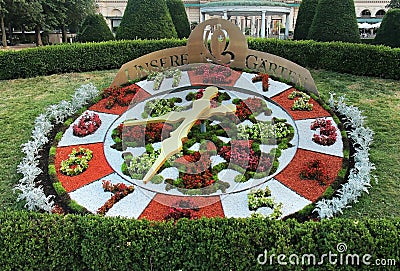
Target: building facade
269, 21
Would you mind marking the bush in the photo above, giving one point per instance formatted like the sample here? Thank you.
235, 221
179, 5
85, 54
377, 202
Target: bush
94, 29
357, 59
146, 19
304, 19
76, 57
32, 241
179, 17
388, 33
335, 20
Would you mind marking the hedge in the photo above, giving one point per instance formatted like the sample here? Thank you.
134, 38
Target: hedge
33, 241
77, 57
357, 59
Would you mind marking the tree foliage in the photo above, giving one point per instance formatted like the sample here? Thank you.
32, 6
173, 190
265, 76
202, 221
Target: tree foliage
94, 28
146, 19
388, 32
335, 20
179, 18
304, 19
394, 4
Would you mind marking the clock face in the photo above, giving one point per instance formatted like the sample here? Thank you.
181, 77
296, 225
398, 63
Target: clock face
240, 139
203, 134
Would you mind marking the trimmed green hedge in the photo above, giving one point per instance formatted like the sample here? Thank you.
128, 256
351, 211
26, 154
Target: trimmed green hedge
357, 59
77, 57
32, 241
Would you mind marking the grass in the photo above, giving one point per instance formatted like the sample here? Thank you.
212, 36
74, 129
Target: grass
380, 102
23, 99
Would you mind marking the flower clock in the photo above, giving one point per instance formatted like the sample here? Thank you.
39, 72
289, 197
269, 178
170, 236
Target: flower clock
201, 140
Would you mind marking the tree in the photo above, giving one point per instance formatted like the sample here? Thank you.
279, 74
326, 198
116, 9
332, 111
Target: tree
394, 4
304, 19
75, 12
3, 12
388, 32
335, 20
94, 28
179, 18
146, 19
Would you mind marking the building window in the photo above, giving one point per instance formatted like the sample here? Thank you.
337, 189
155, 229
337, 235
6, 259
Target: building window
380, 13
366, 13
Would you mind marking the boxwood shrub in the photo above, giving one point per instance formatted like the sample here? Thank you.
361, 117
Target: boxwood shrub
357, 59
33, 241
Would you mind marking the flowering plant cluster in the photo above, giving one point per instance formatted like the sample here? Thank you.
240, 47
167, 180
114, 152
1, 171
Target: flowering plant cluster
200, 180
159, 107
214, 74
158, 77
240, 153
262, 198
77, 162
327, 132
119, 191
315, 170
217, 100
182, 209
33, 194
250, 108
140, 135
119, 95
263, 77
87, 125
140, 165
302, 103
359, 179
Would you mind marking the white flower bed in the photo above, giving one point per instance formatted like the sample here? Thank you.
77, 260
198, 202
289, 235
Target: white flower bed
44, 123
360, 176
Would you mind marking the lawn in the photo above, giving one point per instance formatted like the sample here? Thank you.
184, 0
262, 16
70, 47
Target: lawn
23, 99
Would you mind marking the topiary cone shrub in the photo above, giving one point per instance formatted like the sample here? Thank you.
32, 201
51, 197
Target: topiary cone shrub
335, 20
146, 19
388, 33
304, 19
179, 18
94, 29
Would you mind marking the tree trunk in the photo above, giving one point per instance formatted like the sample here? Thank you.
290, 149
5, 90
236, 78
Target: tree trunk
38, 38
23, 34
64, 33
3, 32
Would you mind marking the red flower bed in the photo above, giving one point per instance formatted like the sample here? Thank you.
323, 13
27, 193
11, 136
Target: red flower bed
160, 206
87, 125
98, 167
118, 109
327, 132
152, 132
213, 75
264, 78
311, 190
240, 153
282, 100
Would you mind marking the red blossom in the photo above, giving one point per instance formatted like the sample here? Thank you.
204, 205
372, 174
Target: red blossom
87, 124
327, 132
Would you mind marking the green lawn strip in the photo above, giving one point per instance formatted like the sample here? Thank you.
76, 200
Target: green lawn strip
21, 101
380, 102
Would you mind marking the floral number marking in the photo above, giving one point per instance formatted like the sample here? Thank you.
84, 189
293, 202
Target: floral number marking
77, 162
119, 190
302, 102
327, 132
87, 125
